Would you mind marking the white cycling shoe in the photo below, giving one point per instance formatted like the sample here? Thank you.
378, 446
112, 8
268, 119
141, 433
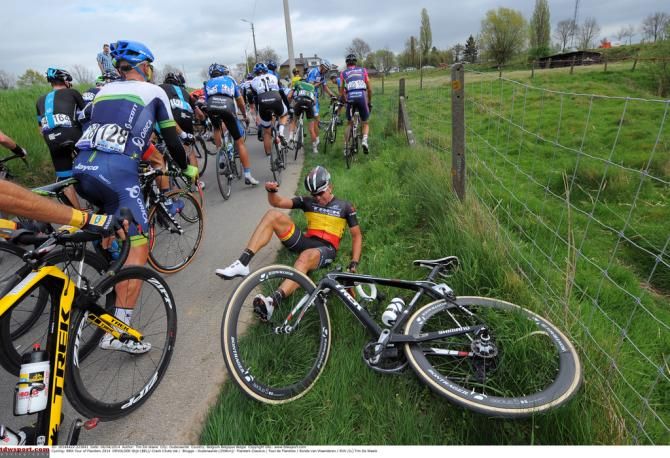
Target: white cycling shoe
263, 307
236, 269
108, 342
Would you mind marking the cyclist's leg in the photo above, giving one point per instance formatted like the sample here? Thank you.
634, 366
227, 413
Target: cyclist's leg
315, 134
233, 125
314, 254
62, 157
347, 131
364, 113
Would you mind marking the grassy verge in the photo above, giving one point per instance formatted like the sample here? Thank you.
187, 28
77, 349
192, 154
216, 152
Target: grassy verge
406, 211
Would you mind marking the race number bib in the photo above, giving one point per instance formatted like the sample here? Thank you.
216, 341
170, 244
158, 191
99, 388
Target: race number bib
109, 138
59, 120
308, 94
356, 85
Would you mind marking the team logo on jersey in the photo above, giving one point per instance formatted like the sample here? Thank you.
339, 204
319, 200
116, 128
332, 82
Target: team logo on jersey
137, 141
134, 192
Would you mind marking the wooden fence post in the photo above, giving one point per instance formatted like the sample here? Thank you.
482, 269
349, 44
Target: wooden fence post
499, 71
635, 62
458, 130
401, 96
572, 66
605, 63
532, 70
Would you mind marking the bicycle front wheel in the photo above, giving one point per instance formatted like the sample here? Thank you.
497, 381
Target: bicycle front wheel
224, 173
174, 239
275, 162
522, 366
109, 383
300, 139
278, 360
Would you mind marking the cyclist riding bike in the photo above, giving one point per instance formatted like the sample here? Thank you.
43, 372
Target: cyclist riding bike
272, 68
327, 217
57, 117
222, 93
317, 77
270, 101
183, 110
356, 85
116, 140
303, 96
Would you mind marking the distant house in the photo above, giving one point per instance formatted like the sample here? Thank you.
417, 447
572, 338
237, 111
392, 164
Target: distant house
566, 59
301, 63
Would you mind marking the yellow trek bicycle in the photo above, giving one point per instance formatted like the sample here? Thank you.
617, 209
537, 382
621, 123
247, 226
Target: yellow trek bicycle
105, 350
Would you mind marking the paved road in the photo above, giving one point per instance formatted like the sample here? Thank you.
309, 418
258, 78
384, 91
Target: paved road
176, 411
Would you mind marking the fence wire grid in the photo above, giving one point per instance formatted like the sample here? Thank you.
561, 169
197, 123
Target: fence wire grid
579, 184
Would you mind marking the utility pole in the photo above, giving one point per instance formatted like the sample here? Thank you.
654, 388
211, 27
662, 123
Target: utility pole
289, 38
574, 24
253, 35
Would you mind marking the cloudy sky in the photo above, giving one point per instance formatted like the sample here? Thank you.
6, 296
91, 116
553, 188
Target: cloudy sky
192, 34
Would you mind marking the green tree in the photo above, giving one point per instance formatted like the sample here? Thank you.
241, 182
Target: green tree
540, 31
382, 60
408, 58
425, 34
503, 34
30, 78
471, 51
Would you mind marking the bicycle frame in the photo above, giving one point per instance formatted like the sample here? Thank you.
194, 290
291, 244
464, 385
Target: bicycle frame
331, 283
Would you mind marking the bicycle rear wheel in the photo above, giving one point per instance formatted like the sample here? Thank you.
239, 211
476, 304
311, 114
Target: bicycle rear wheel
110, 384
349, 149
26, 324
224, 173
201, 155
174, 240
279, 360
523, 367
275, 162
300, 139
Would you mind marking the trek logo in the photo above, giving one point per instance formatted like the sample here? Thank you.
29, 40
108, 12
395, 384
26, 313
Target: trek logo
59, 381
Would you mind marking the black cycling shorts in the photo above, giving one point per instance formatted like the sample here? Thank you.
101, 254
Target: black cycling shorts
298, 242
184, 120
60, 142
269, 104
221, 108
304, 105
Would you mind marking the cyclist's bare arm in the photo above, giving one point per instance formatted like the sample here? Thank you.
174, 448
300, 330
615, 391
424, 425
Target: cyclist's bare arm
274, 199
240, 104
19, 201
356, 243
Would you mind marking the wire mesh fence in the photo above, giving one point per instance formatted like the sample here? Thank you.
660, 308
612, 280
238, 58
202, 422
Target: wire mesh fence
580, 184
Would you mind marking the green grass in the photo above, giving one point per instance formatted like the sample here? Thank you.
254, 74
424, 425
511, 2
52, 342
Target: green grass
524, 145
406, 211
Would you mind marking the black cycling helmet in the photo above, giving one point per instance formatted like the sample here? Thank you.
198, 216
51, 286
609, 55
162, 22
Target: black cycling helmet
174, 78
317, 180
56, 74
271, 65
351, 59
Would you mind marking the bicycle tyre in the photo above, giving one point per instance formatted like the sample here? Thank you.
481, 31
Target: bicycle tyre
201, 155
175, 251
274, 162
534, 367
110, 384
300, 139
349, 150
224, 175
328, 138
267, 366
35, 314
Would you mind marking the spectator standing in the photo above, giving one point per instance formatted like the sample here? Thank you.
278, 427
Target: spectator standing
105, 60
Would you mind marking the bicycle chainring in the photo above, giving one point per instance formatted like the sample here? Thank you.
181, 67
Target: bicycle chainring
391, 361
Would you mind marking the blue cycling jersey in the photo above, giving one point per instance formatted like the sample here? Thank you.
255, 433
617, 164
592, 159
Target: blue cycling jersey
314, 76
222, 85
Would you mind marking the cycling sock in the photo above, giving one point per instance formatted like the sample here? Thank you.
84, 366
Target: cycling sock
247, 172
281, 130
247, 254
277, 297
365, 138
123, 314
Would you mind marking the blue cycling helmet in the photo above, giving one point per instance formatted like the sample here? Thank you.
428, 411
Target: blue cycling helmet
132, 52
271, 65
250, 76
56, 74
260, 68
217, 70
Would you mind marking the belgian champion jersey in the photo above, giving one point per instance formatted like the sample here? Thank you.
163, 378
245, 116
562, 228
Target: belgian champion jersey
327, 222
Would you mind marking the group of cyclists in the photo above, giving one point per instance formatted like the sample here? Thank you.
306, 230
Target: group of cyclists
100, 137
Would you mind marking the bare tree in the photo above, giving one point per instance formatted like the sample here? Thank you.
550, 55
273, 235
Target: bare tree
563, 33
82, 75
457, 51
267, 54
7, 80
359, 47
160, 74
588, 32
655, 26
630, 33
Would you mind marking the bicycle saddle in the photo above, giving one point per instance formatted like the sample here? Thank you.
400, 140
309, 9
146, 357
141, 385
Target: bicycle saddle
449, 262
54, 188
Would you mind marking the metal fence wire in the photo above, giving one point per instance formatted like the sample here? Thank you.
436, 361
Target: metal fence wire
580, 185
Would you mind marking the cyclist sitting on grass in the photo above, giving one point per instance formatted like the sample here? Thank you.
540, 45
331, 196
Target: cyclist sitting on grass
326, 219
